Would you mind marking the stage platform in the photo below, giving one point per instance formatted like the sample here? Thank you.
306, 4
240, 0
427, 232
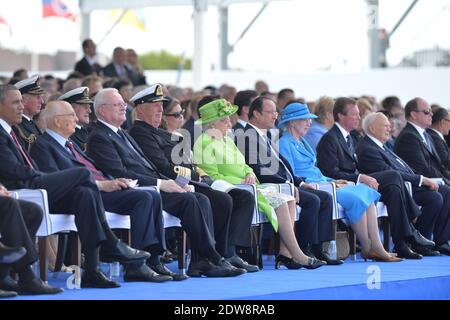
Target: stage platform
428, 278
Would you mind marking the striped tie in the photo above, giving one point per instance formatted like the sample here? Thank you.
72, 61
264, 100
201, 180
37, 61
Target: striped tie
89, 165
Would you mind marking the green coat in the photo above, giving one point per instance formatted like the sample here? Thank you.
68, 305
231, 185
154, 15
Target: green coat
222, 160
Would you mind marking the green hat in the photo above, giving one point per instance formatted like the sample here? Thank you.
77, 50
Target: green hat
215, 110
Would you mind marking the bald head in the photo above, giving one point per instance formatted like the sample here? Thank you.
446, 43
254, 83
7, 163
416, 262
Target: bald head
378, 126
60, 117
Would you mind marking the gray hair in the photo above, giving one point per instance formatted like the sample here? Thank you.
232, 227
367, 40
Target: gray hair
52, 109
102, 98
4, 88
369, 119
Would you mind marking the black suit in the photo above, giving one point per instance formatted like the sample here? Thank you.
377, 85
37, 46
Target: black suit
314, 225
69, 191
110, 71
26, 132
372, 158
412, 149
143, 207
85, 68
335, 160
441, 147
19, 222
79, 137
112, 155
232, 212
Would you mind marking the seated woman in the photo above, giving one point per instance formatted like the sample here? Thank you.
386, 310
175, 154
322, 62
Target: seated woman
232, 212
357, 201
216, 154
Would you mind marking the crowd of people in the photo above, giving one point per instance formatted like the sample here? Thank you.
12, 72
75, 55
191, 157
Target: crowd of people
88, 138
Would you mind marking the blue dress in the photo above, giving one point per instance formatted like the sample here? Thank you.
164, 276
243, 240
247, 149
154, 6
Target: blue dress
354, 199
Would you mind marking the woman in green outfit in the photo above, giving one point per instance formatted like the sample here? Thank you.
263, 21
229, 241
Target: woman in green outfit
216, 154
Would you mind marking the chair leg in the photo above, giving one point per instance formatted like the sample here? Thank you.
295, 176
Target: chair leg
75, 249
386, 233
352, 242
61, 253
43, 249
181, 252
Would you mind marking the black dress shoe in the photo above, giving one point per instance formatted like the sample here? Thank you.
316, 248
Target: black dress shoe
403, 251
425, 251
237, 262
162, 269
122, 253
36, 287
10, 255
420, 240
444, 249
325, 257
204, 267
144, 274
9, 284
289, 263
96, 279
7, 294
234, 270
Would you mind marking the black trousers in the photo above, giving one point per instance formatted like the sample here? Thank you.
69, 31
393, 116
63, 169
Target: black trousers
145, 210
19, 222
435, 218
315, 223
74, 191
194, 211
400, 206
232, 215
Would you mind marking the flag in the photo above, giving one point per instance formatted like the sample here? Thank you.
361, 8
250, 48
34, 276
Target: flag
56, 8
6, 24
130, 18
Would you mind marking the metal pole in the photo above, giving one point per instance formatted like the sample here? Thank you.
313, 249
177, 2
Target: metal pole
374, 43
199, 63
224, 49
403, 17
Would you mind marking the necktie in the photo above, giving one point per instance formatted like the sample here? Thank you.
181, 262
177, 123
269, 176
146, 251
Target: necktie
398, 159
350, 144
89, 165
427, 141
132, 148
19, 146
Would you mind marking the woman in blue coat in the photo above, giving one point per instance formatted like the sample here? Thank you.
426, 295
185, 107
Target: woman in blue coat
357, 201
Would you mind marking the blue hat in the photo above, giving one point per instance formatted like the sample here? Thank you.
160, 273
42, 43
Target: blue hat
295, 111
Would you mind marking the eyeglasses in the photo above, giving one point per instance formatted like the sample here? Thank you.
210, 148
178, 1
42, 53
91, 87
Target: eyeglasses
425, 112
176, 115
120, 104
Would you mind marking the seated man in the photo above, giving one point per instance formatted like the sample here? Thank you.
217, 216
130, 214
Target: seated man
374, 156
54, 151
336, 159
417, 149
19, 222
314, 225
233, 211
117, 154
69, 191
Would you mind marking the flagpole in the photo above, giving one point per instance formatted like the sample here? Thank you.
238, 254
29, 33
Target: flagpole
124, 11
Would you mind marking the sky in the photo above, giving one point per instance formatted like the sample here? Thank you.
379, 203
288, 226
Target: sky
296, 35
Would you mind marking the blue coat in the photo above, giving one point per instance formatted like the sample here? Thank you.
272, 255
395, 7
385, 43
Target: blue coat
302, 158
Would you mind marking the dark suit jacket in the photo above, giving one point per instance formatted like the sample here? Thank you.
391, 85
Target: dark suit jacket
334, 158
110, 71
51, 156
372, 158
157, 145
84, 67
24, 130
411, 148
79, 137
14, 173
112, 155
264, 163
442, 148
238, 126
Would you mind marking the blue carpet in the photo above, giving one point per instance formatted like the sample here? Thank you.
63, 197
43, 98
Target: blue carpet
411, 279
